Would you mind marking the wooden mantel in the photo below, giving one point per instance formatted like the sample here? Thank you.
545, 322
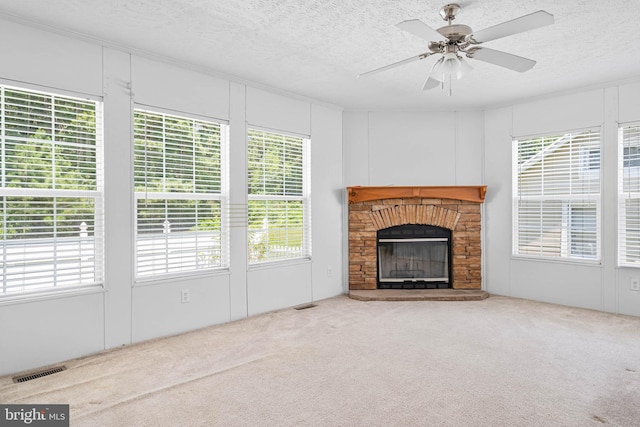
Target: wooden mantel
473, 193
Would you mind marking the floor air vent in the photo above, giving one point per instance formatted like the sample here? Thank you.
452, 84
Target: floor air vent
39, 374
305, 306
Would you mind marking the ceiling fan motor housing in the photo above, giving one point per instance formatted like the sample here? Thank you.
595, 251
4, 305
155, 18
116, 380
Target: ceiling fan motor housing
455, 33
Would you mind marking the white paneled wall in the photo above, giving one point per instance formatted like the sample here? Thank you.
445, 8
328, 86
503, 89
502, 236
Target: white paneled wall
469, 148
569, 112
497, 210
46, 331
413, 148
43, 331
283, 286
278, 112
157, 310
178, 89
355, 150
119, 228
36, 57
406, 148
629, 102
238, 203
326, 197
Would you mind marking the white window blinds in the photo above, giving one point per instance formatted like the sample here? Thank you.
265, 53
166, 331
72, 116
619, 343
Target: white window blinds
181, 205
51, 197
629, 195
556, 196
279, 205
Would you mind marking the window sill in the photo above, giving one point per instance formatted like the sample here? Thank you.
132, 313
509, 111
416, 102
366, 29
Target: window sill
168, 278
629, 265
571, 261
51, 295
264, 265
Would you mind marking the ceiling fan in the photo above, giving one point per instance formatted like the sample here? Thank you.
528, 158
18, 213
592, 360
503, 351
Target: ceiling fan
452, 40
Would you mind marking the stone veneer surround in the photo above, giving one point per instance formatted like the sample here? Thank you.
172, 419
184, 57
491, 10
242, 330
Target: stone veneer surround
462, 217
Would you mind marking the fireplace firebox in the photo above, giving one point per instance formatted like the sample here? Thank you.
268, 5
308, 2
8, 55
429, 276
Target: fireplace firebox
414, 256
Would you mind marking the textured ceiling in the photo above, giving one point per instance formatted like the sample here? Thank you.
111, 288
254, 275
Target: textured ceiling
316, 48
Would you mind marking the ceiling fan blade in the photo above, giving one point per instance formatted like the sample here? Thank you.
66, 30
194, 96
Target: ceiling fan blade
430, 83
396, 64
519, 25
420, 29
503, 59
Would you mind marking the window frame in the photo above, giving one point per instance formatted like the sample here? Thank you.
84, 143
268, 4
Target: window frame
222, 197
305, 199
624, 196
91, 234
581, 164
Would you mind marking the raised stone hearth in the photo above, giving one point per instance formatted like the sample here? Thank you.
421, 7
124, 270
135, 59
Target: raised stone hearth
453, 208
419, 295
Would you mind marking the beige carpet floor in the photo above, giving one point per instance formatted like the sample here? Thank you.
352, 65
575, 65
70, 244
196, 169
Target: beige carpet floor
496, 362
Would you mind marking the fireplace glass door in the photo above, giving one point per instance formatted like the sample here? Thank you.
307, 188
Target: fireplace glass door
407, 261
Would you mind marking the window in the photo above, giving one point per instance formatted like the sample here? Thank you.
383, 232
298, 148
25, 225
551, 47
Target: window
180, 194
279, 211
629, 196
556, 204
51, 192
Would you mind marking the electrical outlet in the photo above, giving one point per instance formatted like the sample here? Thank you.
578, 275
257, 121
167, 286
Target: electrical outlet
634, 284
329, 272
184, 296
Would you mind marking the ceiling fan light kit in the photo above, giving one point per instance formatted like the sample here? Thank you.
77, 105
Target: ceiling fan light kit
450, 63
452, 40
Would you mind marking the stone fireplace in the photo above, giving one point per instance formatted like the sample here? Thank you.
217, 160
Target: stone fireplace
390, 249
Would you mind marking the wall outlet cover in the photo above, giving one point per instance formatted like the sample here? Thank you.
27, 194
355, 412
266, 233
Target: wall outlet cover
184, 296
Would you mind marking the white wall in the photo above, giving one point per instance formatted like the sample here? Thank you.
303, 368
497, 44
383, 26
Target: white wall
47, 330
602, 287
412, 148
